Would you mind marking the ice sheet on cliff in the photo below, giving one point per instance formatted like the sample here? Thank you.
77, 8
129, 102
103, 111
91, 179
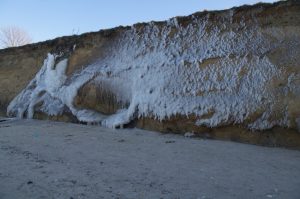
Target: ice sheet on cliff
173, 70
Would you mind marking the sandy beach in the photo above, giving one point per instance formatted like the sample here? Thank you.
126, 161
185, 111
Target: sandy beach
43, 159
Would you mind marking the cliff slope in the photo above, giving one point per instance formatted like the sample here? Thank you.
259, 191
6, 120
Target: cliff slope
220, 74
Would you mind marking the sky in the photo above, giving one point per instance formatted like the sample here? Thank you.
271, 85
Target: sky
48, 19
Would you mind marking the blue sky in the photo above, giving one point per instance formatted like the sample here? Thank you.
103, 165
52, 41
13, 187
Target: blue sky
47, 19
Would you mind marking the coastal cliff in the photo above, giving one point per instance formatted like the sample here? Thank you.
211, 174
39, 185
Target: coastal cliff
231, 74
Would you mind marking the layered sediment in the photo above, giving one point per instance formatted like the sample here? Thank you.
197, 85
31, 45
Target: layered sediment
231, 74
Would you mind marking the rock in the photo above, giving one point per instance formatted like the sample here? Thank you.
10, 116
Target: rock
29, 182
169, 141
189, 134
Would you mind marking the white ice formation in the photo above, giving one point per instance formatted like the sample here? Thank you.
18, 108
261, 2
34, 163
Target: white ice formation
201, 68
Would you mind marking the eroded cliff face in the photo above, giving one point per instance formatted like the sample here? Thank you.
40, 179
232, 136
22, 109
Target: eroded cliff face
230, 74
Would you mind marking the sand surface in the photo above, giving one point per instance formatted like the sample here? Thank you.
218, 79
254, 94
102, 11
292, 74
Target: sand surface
42, 159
